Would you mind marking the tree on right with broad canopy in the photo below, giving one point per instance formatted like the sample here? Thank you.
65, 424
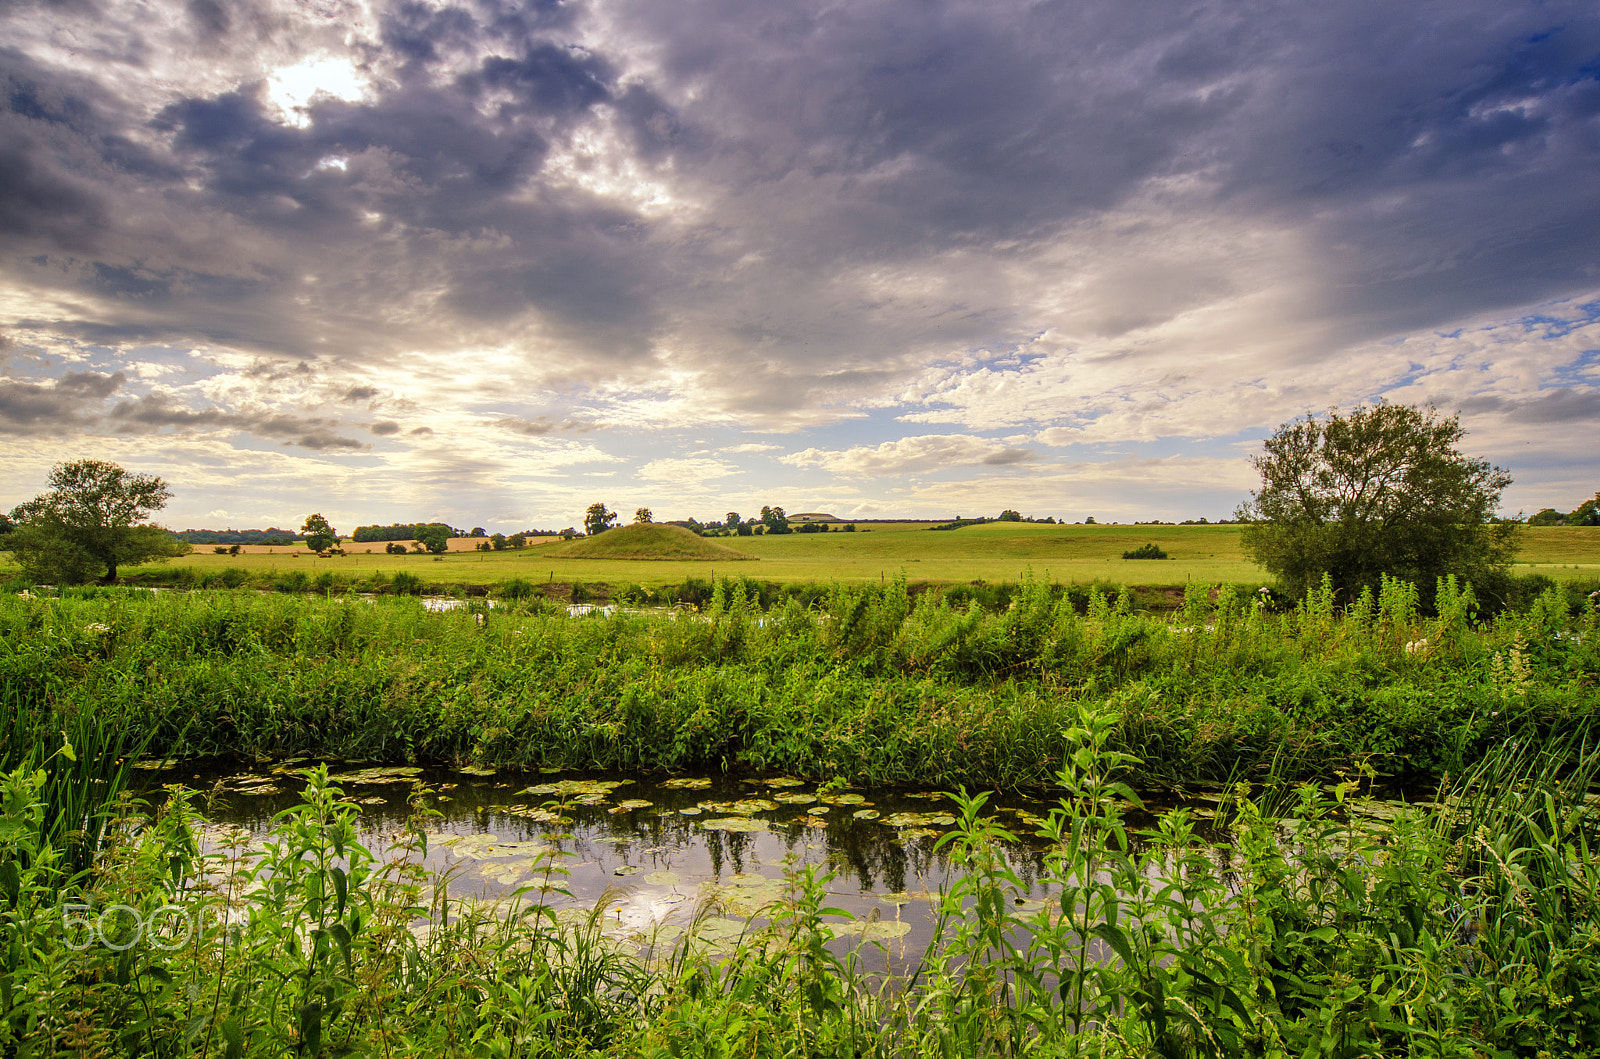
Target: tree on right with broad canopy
1383, 490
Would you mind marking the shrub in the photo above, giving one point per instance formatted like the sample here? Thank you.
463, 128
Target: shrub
1145, 551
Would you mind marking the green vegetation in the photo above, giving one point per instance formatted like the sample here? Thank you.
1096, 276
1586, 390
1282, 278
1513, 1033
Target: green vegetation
992, 553
1381, 492
1145, 551
91, 521
1585, 514
319, 534
1460, 930
646, 541
868, 683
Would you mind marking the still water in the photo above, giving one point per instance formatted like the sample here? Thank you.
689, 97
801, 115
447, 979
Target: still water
652, 848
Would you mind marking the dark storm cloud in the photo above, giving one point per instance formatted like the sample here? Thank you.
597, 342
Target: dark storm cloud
153, 413
1444, 152
1007, 457
1437, 160
34, 408
358, 393
1564, 405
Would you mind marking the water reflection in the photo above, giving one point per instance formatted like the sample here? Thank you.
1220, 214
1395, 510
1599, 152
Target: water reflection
655, 848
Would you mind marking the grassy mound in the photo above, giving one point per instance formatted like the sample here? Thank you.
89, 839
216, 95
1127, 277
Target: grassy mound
648, 541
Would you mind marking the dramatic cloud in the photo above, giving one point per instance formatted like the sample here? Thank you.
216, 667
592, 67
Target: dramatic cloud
425, 243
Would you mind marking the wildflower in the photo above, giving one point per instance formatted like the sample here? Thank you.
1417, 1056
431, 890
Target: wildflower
1417, 646
97, 627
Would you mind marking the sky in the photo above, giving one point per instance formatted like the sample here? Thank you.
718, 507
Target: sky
490, 261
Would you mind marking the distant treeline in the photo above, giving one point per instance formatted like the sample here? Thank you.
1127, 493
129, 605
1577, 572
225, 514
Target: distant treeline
1585, 514
271, 535
398, 532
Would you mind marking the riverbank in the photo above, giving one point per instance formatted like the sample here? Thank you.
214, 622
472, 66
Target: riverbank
868, 684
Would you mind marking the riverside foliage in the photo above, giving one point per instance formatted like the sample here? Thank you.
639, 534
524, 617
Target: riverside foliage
1462, 930
868, 683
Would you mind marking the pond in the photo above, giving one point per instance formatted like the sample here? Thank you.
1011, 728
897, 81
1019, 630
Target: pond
654, 847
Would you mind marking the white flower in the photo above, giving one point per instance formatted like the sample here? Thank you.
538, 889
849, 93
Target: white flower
96, 627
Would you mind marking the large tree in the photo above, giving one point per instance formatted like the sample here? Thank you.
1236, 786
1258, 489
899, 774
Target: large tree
1383, 490
93, 520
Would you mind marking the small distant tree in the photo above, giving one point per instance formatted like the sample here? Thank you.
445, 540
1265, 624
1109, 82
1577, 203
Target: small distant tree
478, 531
395, 548
435, 538
319, 534
1009, 515
497, 541
1145, 551
233, 549
643, 516
518, 540
775, 520
569, 533
597, 519
732, 521
94, 516
1089, 521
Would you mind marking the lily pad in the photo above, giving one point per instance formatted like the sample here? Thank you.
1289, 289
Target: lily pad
686, 783
783, 781
865, 814
919, 819
476, 770
742, 807
537, 815
872, 929
818, 809
576, 787
390, 774
662, 878
735, 823
634, 803
626, 869
795, 798
693, 810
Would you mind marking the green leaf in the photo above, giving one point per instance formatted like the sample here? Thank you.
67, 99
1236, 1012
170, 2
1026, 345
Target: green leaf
311, 1028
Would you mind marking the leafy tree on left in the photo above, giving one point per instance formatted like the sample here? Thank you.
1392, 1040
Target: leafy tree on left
93, 520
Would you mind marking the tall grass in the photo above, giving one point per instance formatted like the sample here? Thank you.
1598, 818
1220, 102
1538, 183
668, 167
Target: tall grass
871, 683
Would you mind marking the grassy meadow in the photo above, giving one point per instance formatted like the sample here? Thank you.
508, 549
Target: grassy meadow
994, 552
1462, 928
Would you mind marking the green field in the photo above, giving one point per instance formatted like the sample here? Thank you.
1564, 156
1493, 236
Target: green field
996, 552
